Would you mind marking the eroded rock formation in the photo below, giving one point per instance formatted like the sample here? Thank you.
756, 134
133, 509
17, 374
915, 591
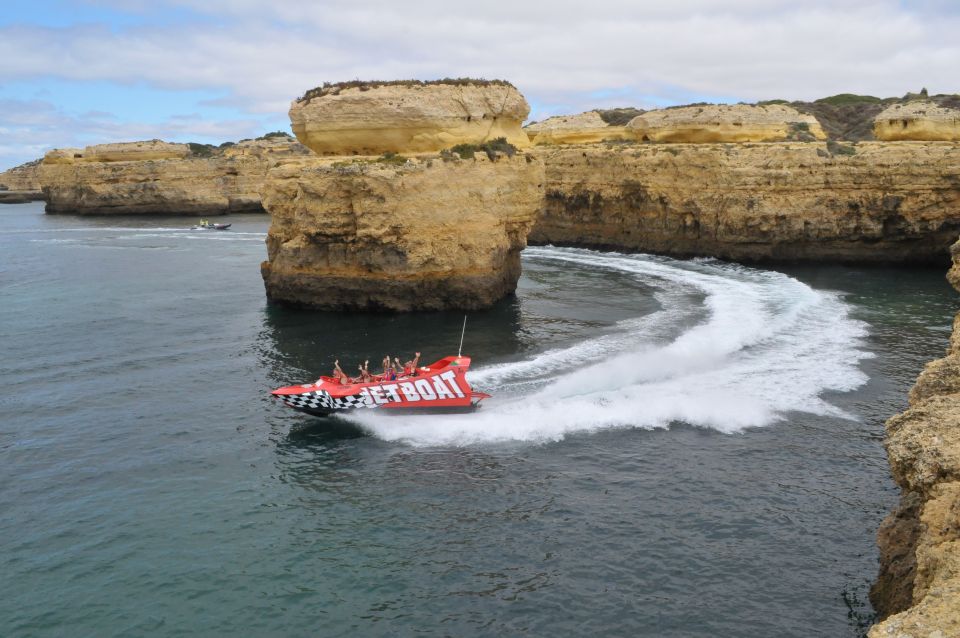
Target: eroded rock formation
430, 233
160, 178
585, 128
372, 118
921, 120
726, 123
872, 202
918, 589
21, 184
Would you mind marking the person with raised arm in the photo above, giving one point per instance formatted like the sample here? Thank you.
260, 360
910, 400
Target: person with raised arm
339, 374
365, 375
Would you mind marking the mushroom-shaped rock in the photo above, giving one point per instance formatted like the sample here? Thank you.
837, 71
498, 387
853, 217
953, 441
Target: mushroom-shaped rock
726, 123
585, 128
355, 118
921, 120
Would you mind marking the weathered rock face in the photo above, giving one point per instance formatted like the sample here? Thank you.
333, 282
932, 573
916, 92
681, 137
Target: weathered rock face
726, 123
918, 120
923, 446
134, 151
585, 128
21, 184
407, 117
25, 177
428, 234
99, 183
885, 202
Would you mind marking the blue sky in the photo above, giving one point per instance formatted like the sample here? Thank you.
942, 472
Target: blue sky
78, 72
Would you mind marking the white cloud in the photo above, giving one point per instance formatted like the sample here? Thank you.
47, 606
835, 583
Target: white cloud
558, 53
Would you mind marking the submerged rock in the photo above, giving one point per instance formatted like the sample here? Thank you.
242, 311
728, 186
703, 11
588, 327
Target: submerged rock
918, 120
700, 124
423, 234
370, 118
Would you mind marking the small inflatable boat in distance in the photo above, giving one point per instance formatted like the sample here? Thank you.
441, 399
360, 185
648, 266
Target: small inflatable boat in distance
438, 387
208, 226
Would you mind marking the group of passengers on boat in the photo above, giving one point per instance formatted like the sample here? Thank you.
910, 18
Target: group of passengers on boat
391, 371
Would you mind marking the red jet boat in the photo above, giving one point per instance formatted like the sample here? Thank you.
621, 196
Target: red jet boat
438, 387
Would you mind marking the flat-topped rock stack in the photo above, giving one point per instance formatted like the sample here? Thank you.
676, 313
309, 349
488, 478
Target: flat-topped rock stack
918, 120
367, 229
410, 116
711, 123
156, 177
584, 128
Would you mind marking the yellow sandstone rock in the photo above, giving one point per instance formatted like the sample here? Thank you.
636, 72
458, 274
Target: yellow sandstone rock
585, 128
426, 234
923, 446
725, 123
219, 184
407, 117
135, 151
918, 120
876, 201
25, 177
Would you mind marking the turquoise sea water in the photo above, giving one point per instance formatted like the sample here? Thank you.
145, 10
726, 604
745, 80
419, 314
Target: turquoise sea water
674, 448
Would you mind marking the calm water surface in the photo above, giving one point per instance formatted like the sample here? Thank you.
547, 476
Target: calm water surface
673, 449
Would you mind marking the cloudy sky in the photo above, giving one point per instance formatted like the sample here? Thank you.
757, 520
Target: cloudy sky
77, 72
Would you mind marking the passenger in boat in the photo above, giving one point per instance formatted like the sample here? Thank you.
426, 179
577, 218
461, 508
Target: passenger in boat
410, 367
339, 374
386, 366
365, 375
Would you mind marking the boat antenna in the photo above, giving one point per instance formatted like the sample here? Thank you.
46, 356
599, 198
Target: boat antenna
462, 332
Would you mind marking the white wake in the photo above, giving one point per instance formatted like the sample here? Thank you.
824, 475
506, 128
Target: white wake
769, 345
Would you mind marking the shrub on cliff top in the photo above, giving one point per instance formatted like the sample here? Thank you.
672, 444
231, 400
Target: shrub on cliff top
273, 134
620, 116
848, 98
201, 150
334, 88
493, 148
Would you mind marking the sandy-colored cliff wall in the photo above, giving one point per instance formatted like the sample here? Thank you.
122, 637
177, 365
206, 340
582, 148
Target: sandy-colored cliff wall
21, 184
156, 178
873, 202
709, 123
919, 120
407, 116
584, 128
918, 589
430, 233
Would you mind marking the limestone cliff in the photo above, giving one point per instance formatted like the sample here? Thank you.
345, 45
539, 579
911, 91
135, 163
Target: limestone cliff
160, 178
21, 184
708, 123
356, 118
919, 582
918, 120
873, 202
25, 177
427, 234
585, 128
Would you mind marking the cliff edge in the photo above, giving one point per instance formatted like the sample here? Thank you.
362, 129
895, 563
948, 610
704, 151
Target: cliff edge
407, 116
917, 591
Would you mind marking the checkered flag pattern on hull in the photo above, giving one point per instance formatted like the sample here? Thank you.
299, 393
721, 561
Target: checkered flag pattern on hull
321, 400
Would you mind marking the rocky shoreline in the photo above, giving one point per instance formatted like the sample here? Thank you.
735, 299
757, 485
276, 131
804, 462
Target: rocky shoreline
917, 592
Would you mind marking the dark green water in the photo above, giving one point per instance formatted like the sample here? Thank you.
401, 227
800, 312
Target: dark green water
673, 449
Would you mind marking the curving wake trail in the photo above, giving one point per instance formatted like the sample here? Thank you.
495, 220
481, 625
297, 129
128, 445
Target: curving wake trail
759, 345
